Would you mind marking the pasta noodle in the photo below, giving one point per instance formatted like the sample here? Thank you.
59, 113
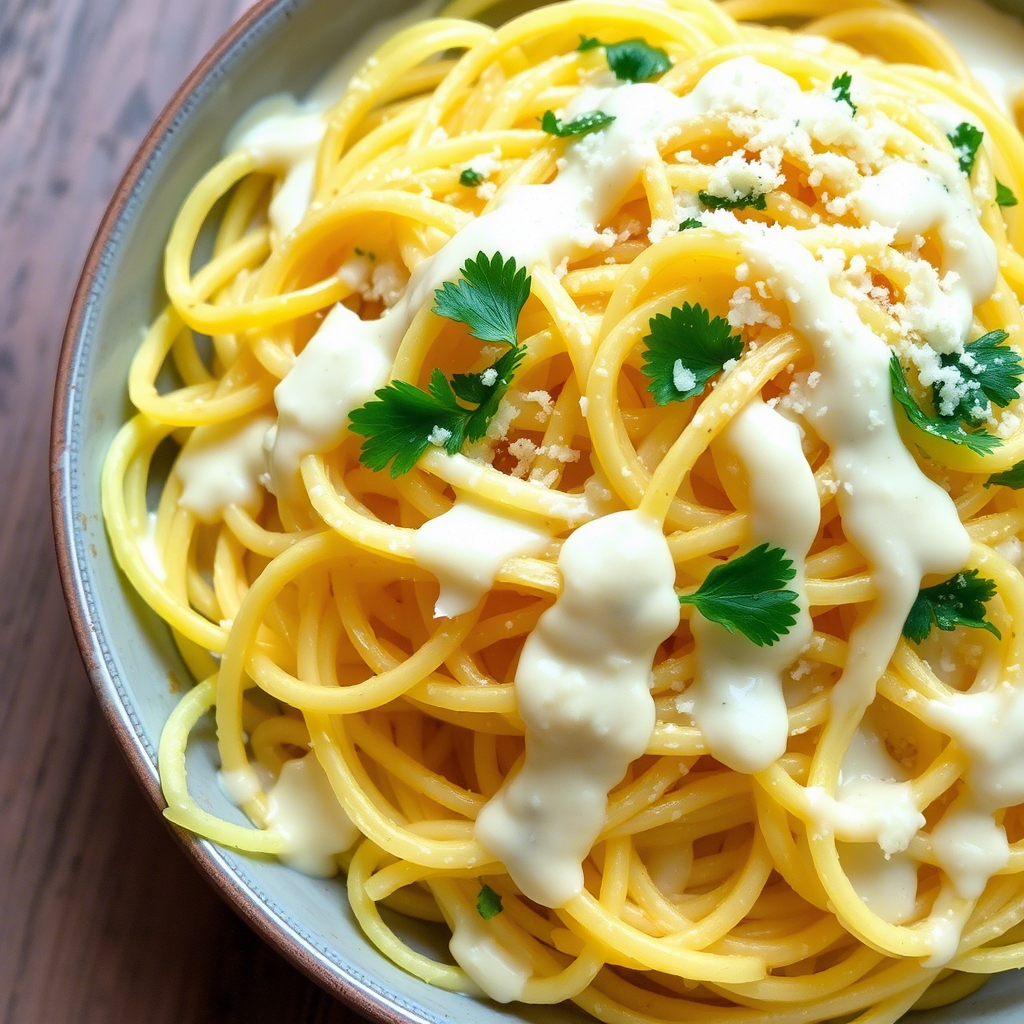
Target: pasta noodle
701, 824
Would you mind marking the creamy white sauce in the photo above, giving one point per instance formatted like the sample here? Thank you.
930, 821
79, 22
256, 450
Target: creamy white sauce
989, 727
904, 525
873, 801
302, 807
874, 812
501, 974
239, 785
737, 697
283, 134
913, 200
283, 137
467, 545
583, 691
990, 42
670, 867
221, 466
886, 883
345, 361
969, 847
945, 925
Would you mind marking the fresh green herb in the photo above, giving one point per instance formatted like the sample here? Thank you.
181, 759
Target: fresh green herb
588, 43
632, 60
363, 252
947, 430
960, 601
690, 222
685, 350
752, 201
581, 125
1004, 195
486, 390
990, 371
470, 178
488, 903
746, 595
488, 299
841, 90
403, 421
1012, 477
965, 140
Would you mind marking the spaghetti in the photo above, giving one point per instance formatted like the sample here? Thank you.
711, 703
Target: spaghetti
684, 302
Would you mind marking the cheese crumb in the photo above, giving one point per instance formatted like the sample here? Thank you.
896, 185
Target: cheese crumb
682, 378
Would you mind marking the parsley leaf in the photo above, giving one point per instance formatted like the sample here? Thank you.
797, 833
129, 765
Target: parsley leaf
685, 350
488, 298
581, 125
979, 442
488, 903
486, 390
990, 372
960, 601
745, 595
470, 178
1012, 477
404, 421
965, 140
588, 43
1004, 195
690, 222
841, 90
753, 201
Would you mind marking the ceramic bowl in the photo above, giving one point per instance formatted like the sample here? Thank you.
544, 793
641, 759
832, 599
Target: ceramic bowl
280, 45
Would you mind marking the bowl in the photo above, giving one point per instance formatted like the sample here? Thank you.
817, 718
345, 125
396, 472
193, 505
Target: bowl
279, 45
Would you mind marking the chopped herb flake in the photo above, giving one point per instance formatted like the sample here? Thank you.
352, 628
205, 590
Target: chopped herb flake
488, 903
841, 90
965, 141
753, 201
1004, 195
582, 125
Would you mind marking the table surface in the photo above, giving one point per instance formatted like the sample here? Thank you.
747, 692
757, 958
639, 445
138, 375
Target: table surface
102, 918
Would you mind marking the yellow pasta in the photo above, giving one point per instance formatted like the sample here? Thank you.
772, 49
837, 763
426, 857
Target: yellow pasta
306, 611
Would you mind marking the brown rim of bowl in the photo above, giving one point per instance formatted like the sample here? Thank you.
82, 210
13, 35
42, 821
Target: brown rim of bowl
242, 900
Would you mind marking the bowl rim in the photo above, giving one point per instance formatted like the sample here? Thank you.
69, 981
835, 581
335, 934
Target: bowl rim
334, 979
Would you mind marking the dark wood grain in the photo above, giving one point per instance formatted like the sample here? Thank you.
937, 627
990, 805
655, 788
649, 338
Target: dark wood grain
102, 919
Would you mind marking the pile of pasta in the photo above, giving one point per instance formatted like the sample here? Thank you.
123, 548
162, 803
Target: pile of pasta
309, 627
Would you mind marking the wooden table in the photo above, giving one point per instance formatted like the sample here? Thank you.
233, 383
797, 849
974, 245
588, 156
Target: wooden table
102, 919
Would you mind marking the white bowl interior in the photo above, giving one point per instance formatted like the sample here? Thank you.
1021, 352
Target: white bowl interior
134, 664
